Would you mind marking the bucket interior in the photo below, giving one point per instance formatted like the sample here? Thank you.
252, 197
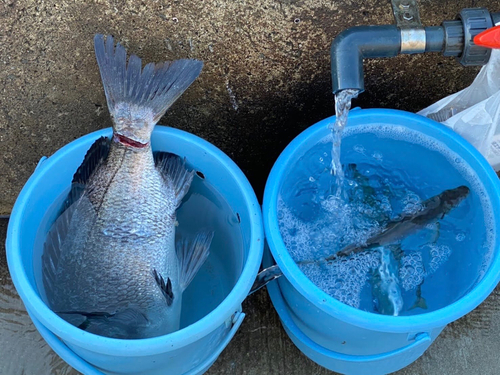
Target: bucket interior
214, 202
440, 268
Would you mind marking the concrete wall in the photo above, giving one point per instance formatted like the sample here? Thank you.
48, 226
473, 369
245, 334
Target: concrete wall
266, 75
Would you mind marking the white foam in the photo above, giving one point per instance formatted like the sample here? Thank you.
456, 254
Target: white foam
343, 279
412, 271
439, 255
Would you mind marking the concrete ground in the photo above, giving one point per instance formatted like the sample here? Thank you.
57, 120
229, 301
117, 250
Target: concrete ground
261, 346
266, 75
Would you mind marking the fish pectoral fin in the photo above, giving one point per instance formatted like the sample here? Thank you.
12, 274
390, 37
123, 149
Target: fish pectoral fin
192, 253
437, 233
165, 287
126, 320
174, 171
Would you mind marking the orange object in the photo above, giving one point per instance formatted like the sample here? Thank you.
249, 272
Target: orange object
489, 38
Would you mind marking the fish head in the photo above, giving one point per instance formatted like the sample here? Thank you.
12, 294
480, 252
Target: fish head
452, 198
133, 124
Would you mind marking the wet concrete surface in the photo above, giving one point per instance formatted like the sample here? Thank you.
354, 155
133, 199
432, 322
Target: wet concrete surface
261, 346
266, 75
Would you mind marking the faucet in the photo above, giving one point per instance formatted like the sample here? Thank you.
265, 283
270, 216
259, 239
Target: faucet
408, 36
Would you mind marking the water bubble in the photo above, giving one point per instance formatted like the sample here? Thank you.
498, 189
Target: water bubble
439, 255
460, 236
377, 155
412, 272
312, 179
359, 148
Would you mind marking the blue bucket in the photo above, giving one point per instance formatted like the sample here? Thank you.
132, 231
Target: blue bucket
204, 334
348, 340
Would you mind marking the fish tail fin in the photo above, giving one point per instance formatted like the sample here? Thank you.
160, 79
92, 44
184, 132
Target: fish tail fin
192, 254
136, 97
419, 303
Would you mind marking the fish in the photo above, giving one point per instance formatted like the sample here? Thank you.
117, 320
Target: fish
111, 264
433, 209
369, 194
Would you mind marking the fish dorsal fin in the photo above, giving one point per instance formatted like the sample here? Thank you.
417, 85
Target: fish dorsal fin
192, 254
173, 169
52, 251
96, 154
127, 85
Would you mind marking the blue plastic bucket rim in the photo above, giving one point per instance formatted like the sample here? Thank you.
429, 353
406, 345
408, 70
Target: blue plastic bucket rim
332, 306
154, 345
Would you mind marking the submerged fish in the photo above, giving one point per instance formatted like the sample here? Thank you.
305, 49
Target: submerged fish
396, 230
433, 208
110, 262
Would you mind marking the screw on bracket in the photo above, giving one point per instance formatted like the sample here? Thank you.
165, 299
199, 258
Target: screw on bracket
406, 13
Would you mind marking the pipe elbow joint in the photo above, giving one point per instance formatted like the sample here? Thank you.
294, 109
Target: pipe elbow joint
352, 45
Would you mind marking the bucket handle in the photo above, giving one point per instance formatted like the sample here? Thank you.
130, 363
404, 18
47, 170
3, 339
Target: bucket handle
40, 162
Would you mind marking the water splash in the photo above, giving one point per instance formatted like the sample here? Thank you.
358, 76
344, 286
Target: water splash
342, 107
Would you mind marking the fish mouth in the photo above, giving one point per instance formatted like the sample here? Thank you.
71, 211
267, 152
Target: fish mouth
124, 140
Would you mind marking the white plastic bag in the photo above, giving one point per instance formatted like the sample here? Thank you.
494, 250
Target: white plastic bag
474, 112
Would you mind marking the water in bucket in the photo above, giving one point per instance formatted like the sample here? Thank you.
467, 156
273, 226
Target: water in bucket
203, 207
389, 171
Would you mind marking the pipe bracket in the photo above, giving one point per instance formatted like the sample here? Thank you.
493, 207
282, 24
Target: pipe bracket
406, 14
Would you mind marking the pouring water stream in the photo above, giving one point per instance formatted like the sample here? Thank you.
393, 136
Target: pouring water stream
342, 106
